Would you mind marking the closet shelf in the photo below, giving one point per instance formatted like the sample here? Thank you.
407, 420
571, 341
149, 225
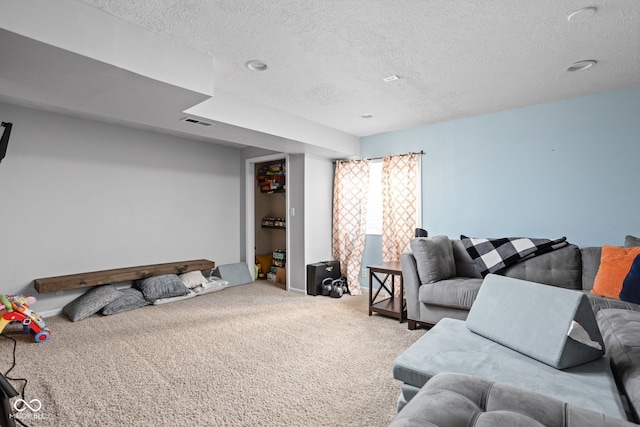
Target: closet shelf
271, 178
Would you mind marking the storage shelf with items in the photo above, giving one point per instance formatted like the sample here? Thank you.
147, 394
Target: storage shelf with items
279, 266
279, 258
276, 223
271, 178
270, 214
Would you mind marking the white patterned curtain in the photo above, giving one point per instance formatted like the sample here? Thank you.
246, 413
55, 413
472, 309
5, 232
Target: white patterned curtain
401, 203
351, 186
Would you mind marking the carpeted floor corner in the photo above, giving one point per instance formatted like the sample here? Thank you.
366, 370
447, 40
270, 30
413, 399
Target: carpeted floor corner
250, 355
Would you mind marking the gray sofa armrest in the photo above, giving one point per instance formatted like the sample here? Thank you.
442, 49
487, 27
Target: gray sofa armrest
411, 283
621, 333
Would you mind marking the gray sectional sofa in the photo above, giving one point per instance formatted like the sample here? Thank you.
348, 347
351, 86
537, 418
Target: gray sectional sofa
527, 355
459, 400
441, 280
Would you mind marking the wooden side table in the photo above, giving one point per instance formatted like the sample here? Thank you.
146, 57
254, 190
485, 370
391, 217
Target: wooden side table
392, 306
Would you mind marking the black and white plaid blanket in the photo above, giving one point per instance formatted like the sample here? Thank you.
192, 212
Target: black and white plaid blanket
492, 255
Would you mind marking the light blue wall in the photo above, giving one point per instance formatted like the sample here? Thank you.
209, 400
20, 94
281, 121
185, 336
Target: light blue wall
565, 168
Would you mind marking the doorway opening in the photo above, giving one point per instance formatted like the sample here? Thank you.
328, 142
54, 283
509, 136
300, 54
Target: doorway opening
267, 216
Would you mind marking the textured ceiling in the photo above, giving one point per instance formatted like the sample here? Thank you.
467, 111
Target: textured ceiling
454, 58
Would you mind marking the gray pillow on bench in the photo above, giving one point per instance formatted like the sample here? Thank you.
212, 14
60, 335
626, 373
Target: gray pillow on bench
535, 320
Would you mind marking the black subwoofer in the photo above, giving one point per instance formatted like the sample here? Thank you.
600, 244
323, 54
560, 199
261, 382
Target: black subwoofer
319, 271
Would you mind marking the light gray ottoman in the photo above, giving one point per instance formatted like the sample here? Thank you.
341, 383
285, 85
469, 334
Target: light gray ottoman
450, 347
458, 400
517, 334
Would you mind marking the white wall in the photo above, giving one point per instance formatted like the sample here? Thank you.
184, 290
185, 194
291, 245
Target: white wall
78, 195
296, 238
318, 202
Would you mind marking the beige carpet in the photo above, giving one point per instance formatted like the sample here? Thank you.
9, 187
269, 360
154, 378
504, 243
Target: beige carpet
249, 355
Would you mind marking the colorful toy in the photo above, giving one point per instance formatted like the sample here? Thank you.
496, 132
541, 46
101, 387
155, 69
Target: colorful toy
30, 300
19, 311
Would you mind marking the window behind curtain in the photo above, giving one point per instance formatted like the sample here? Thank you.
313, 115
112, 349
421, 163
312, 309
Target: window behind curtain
401, 203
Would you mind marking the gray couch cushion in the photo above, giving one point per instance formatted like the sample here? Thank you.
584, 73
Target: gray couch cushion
451, 399
562, 268
534, 319
621, 332
434, 258
590, 265
465, 267
599, 302
492, 255
631, 241
458, 292
450, 347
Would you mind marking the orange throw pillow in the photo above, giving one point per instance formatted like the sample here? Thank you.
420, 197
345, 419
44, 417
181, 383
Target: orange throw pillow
615, 264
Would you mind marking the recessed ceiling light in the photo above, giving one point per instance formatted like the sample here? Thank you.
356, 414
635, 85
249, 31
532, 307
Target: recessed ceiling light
366, 115
256, 65
581, 14
582, 65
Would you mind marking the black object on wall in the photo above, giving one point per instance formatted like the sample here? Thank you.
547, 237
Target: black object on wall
4, 141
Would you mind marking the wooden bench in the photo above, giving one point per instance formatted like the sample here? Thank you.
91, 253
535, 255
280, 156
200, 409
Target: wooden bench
97, 278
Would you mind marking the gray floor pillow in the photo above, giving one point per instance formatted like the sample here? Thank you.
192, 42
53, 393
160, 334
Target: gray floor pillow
164, 286
90, 302
129, 299
235, 274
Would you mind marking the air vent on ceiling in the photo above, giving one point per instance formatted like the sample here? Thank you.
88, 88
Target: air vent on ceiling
196, 121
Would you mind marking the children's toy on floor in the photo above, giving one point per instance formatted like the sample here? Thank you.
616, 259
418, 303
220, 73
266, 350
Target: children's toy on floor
16, 309
28, 299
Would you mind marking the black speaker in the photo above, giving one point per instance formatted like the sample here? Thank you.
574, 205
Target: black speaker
4, 140
319, 271
421, 232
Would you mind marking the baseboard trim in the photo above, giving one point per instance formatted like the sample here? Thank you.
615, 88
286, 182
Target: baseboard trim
50, 313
